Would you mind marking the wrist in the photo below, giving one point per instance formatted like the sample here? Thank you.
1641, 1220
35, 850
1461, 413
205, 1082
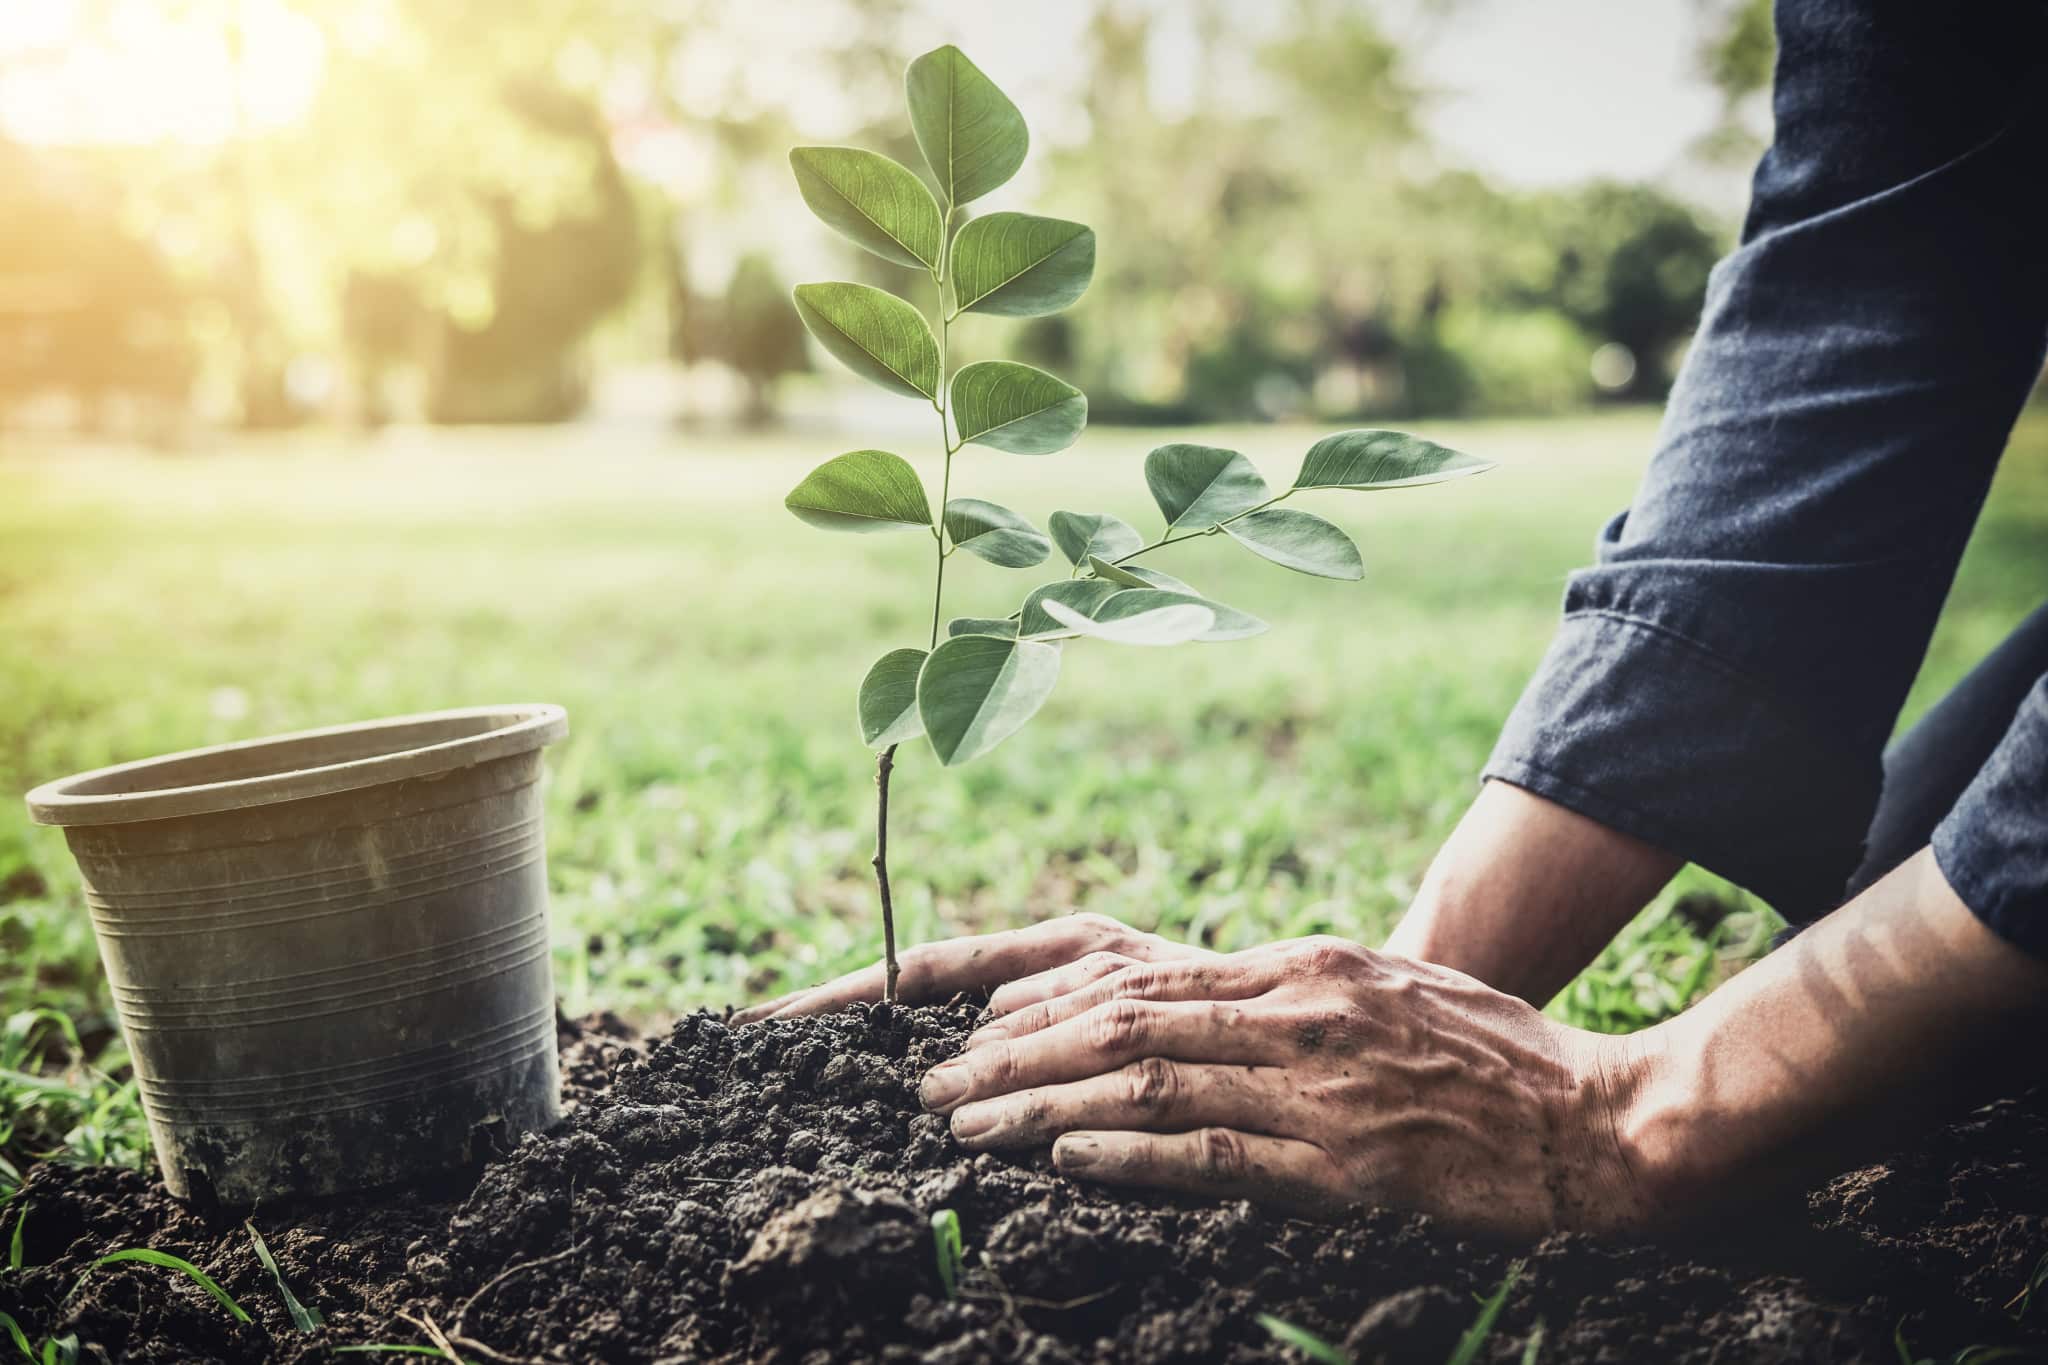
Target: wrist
1618, 1115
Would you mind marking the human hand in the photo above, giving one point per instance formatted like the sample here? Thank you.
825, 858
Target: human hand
1023, 965
1311, 1074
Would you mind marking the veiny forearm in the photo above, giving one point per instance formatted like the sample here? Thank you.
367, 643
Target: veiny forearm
1525, 893
1892, 1011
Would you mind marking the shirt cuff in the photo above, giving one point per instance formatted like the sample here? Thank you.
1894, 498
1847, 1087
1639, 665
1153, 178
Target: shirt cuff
1993, 845
1634, 723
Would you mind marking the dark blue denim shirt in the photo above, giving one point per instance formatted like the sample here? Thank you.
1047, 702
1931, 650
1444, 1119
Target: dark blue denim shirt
1726, 676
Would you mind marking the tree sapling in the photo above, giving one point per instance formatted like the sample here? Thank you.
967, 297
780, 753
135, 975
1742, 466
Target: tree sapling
969, 692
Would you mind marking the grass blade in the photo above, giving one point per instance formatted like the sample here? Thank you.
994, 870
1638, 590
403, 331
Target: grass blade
1303, 1340
14, 1252
1534, 1346
20, 1337
1482, 1326
304, 1318
148, 1256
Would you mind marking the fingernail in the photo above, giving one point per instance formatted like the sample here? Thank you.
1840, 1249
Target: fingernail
943, 1085
970, 1121
1073, 1153
988, 1033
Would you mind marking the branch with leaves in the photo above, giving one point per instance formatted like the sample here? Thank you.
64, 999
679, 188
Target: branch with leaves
988, 677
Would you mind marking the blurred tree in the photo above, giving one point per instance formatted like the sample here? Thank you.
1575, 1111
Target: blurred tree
1631, 267
86, 307
759, 333
1737, 53
550, 281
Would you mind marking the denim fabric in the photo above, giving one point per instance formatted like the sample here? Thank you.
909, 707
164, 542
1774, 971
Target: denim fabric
1725, 677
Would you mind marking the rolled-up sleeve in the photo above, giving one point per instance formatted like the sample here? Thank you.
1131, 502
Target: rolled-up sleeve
1993, 846
1726, 675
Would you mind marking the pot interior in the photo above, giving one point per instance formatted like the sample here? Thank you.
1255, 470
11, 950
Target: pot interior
287, 754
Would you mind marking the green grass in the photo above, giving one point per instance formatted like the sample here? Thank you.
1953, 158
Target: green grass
710, 813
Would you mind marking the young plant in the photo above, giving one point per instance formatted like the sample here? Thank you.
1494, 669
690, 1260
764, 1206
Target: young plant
149, 1256
1475, 1336
1303, 1340
988, 677
304, 1318
948, 1249
55, 1350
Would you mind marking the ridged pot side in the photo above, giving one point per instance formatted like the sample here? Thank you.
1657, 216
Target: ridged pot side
337, 991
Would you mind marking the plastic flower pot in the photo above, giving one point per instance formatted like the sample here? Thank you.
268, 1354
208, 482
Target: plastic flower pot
328, 950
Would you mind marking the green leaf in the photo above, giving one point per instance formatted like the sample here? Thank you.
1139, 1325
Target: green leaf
1198, 486
864, 491
1230, 623
1303, 1340
1082, 594
976, 691
1153, 578
14, 1248
1018, 265
304, 1318
1115, 573
1383, 459
972, 137
982, 625
872, 201
1082, 534
146, 1256
1301, 541
995, 533
1175, 624
888, 699
1017, 408
876, 335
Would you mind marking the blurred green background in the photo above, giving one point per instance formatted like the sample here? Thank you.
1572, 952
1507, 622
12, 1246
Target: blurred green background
365, 356
267, 213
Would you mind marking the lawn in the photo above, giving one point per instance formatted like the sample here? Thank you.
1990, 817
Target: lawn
710, 815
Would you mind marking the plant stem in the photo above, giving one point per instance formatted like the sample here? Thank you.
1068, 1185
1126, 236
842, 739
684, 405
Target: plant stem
945, 431
1205, 531
885, 763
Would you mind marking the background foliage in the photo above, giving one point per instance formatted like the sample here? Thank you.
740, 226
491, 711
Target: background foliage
474, 204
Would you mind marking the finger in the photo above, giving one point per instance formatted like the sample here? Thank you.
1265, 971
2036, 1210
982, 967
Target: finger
1105, 1038
1153, 1094
1237, 977
1030, 990
755, 1013
1220, 1162
939, 971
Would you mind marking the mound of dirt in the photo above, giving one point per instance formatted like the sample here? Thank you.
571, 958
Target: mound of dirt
765, 1194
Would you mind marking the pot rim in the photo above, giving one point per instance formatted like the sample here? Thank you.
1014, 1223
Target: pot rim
524, 726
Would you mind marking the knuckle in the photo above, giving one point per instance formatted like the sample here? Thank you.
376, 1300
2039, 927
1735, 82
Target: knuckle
1097, 928
1327, 953
1137, 981
1155, 1083
997, 1070
1118, 1025
1222, 1156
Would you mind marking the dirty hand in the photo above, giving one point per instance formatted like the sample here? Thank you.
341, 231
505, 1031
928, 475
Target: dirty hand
1053, 957
1311, 1074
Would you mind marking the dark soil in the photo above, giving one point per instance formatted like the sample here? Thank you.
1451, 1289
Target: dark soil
764, 1194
